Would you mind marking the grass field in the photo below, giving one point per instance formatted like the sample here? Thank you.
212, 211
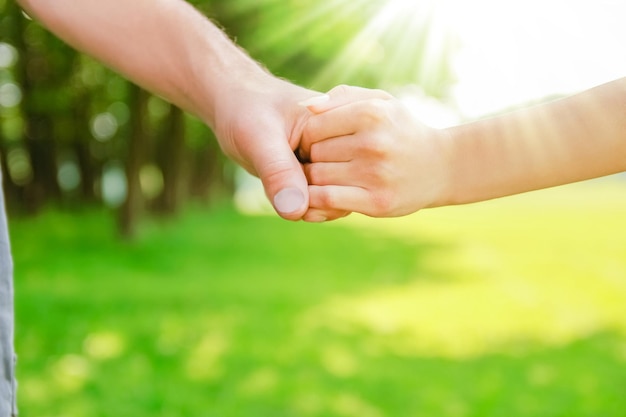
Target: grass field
510, 308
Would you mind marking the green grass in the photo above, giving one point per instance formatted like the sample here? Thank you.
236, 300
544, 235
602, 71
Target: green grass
510, 308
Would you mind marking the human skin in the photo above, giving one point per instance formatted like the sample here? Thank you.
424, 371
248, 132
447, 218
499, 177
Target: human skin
369, 154
172, 50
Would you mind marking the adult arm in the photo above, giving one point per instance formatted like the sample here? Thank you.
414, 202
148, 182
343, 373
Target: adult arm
169, 48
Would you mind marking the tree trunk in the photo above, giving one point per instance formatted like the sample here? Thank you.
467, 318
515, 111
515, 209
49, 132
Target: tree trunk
171, 155
41, 147
86, 165
80, 144
39, 138
12, 192
208, 176
137, 144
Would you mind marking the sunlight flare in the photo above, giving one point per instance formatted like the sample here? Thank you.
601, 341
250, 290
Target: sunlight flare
402, 43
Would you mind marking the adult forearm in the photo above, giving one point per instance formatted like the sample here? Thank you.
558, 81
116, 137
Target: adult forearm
568, 140
165, 46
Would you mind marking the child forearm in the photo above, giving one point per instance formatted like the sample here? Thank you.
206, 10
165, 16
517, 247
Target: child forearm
568, 140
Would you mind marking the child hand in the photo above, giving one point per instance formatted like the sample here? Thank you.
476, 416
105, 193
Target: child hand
368, 154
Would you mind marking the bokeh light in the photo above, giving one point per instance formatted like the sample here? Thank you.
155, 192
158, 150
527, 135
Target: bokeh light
104, 126
19, 165
68, 175
10, 95
151, 181
114, 187
8, 55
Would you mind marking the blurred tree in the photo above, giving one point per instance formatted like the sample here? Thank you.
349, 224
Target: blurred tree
79, 143
43, 70
137, 144
170, 156
80, 140
10, 118
209, 171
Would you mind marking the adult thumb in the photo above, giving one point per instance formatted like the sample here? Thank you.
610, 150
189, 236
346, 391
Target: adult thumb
283, 179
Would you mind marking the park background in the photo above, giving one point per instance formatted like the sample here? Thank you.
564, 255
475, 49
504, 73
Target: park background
152, 278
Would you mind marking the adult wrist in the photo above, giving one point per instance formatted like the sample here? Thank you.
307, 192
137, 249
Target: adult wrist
216, 69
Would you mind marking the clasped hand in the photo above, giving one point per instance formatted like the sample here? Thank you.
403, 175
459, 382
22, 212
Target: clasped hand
365, 152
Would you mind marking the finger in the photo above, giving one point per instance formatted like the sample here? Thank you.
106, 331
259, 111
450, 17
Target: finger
318, 216
337, 97
342, 121
282, 176
338, 149
341, 95
339, 198
313, 101
332, 173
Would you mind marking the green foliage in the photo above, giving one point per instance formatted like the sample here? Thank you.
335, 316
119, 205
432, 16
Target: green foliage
378, 44
512, 308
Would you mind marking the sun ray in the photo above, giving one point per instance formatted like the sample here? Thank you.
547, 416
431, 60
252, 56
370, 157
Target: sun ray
404, 42
310, 29
327, 12
359, 50
372, 43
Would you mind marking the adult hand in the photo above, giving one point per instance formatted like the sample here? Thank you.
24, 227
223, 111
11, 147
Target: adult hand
368, 154
259, 125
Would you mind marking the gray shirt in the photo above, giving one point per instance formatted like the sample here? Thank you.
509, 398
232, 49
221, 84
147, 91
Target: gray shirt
7, 353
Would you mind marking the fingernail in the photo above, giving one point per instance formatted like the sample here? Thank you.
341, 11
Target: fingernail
288, 200
316, 218
314, 100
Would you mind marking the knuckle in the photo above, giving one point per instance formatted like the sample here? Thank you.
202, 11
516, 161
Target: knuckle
310, 128
374, 112
326, 198
377, 178
314, 152
273, 171
314, 174
383, 94
382, 203
339, 90
378, 146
